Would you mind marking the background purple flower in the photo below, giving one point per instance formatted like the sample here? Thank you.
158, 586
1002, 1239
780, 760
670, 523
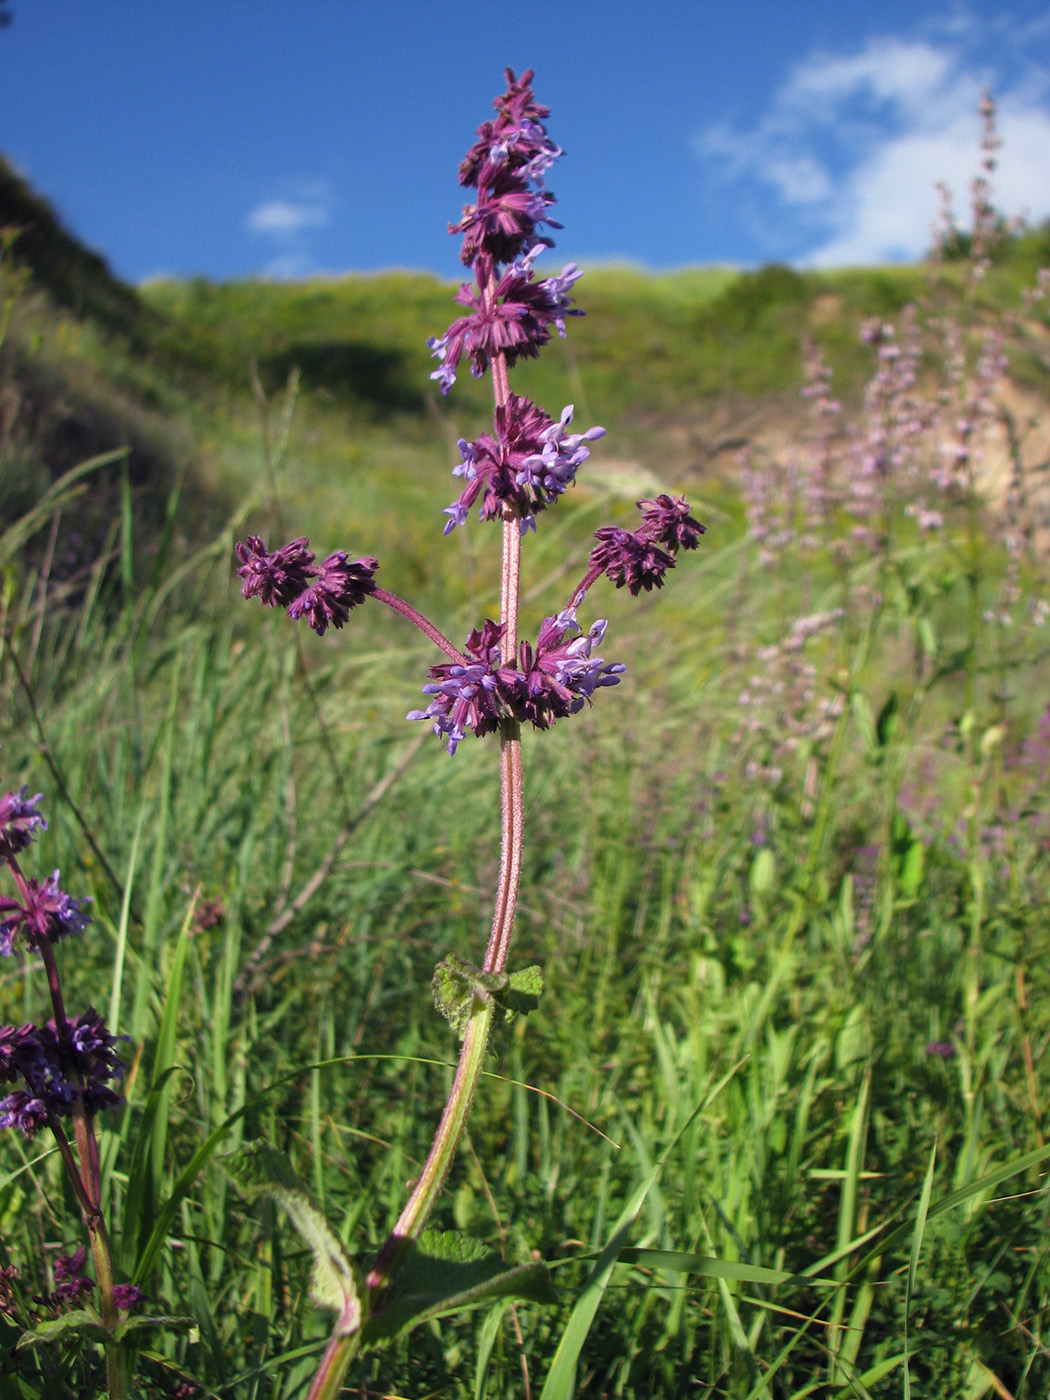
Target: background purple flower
19, 821
48, 912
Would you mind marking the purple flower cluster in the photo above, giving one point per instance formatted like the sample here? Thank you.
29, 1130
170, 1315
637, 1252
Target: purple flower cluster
19, 821
510, 313
58, 1067
65, 1061
44, 911
638, 559
512, 319
289, 578
552, 680
72, 1285
529, 460
525, 466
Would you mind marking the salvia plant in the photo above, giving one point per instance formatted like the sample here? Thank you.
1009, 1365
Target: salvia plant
64, 1069
494, 683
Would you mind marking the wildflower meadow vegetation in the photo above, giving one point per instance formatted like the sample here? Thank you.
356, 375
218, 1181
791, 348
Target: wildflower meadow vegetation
662, 1009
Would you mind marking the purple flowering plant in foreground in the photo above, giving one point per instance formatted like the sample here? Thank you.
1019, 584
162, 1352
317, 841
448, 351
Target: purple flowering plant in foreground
495, 681
60, 1075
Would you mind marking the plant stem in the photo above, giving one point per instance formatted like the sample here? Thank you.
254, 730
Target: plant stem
407, 610
446, 1142
86, 1183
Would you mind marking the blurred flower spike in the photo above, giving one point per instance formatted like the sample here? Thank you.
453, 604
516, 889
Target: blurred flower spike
69, 1061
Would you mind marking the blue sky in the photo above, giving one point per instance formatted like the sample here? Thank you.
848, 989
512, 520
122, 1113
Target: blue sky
287, 137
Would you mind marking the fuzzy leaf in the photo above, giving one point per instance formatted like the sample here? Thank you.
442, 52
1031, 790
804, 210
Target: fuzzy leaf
261, 1170
457, 984
446, 1273
71, 1325
523, 992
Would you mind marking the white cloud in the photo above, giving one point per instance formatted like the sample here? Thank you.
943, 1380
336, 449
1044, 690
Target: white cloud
282, 219
845, 159
287, 221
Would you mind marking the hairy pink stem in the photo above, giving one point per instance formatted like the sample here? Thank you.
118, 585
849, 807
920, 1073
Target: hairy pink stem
407, 610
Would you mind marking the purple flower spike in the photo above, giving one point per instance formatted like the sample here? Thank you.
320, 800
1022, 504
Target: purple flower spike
126, 1296
516, 323
276, 578
48, 913
506, 166
341, 584
19, 1051
553, 470
553, 680
23, 1111
19, 821
631, 561
504, 218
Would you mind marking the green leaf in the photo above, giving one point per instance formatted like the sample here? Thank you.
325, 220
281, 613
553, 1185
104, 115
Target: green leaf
886, 724
523, 992
707, 1266
458, 984
449, 1272
486, 1341
139, 1331
73, 1325
913, 1260
862, 718
763, 872
261, 1170
912, 867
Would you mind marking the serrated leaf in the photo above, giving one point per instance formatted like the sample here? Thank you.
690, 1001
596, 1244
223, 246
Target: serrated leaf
447, 1273
64, 1329
260, 1169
